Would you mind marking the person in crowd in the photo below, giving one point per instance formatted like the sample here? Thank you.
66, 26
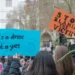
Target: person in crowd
3, 61
2, 64
7, 68
1, 68
22, 62
32, 58
15, 67
52, 48
21, 57
26, 65
65, 66
27, 58
43, 64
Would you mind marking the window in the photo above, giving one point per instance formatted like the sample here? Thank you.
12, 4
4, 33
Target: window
8, 3
61, 1
46, 43
22, 3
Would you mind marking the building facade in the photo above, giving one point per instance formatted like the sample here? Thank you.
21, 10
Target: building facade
5, 7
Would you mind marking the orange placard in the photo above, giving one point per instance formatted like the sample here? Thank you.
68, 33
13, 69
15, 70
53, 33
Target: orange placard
63, 22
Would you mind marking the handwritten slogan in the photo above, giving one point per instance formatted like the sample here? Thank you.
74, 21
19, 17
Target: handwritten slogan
24, 42
63, 22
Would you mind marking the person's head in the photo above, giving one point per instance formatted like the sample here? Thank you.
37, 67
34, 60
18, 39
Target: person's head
43, 64
32, 58
3, 59
27, 60
27, 57
22, 62
65, 66
21, 57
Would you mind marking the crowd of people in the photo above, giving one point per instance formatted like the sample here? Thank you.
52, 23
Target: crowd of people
44, 63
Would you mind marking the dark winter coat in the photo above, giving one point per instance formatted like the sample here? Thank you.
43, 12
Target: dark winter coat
15, 67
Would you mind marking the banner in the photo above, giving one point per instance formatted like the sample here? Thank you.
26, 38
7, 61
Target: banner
63, 22
24, 42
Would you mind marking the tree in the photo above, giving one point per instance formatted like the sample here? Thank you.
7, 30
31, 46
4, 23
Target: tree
23, 17
16, 18
67, 5
35, 14
45, 12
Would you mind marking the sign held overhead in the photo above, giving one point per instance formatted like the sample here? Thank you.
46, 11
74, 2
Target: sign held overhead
63, 22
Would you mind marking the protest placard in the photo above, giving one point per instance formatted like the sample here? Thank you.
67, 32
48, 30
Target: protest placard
63, 22
24, 42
